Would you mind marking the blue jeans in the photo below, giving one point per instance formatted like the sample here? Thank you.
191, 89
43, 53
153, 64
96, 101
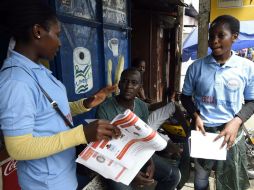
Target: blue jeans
83, 180
167, 176
201, 178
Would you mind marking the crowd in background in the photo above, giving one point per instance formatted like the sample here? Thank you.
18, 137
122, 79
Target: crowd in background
247, 53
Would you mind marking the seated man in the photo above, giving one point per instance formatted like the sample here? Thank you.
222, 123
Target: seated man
172, 120
172, 112
166, 175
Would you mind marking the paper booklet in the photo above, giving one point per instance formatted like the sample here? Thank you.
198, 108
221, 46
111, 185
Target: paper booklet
121, 159
204, 146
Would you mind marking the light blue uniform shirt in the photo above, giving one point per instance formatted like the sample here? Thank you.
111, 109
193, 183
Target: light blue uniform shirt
219, 91
25, 110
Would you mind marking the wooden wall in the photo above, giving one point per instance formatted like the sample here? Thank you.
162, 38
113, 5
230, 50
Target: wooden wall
154, 43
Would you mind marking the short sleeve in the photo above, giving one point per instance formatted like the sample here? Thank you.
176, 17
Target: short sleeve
159, 116
188, 82
249, 88
101, 113
144, 110
17, 108
146, 113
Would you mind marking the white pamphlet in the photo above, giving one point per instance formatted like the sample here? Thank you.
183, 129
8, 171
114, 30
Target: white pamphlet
121, 159
204, 146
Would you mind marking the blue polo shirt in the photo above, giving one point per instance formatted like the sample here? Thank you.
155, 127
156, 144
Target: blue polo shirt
25, 110
219, 91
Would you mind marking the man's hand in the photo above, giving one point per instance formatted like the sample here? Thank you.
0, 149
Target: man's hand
142, 178
99, 96
174, 150
150, 169
199, 124
230, 132
99, 130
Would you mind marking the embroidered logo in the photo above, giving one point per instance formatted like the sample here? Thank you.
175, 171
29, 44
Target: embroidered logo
233, 84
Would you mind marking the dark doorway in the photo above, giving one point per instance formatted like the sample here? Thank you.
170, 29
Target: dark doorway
153, 39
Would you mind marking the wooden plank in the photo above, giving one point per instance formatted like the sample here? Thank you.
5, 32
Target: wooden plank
203, 21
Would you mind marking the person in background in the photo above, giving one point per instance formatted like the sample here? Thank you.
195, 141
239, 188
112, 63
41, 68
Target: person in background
252, 55
140, 65
164, 111
166, 175
34, 133
170, 120
213, 93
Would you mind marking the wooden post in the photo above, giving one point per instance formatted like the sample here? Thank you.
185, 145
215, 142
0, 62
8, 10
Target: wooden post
203, 22
178, 48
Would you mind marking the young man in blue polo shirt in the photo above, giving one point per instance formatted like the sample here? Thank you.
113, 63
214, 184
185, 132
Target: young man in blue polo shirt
219, 84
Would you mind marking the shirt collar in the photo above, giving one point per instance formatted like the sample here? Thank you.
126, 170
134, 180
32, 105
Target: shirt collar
229, 63
16, 59
20, 60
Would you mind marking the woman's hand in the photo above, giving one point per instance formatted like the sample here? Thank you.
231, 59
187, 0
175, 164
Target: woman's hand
199, 124
99, 96
100, 130
230, 132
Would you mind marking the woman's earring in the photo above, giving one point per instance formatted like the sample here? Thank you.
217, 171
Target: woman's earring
38, 37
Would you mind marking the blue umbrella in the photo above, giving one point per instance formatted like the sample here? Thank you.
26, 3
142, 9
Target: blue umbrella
245, 40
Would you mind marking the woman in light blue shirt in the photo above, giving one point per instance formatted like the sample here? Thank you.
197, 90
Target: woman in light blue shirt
219, 84
34, 133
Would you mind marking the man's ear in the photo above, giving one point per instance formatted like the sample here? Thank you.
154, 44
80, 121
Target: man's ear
235, 36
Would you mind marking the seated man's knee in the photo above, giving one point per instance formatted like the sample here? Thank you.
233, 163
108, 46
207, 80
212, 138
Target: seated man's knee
165, 172
201, 181
175, 175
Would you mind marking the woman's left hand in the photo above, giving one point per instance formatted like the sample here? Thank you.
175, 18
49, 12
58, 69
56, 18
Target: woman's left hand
230, 132
99, 96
